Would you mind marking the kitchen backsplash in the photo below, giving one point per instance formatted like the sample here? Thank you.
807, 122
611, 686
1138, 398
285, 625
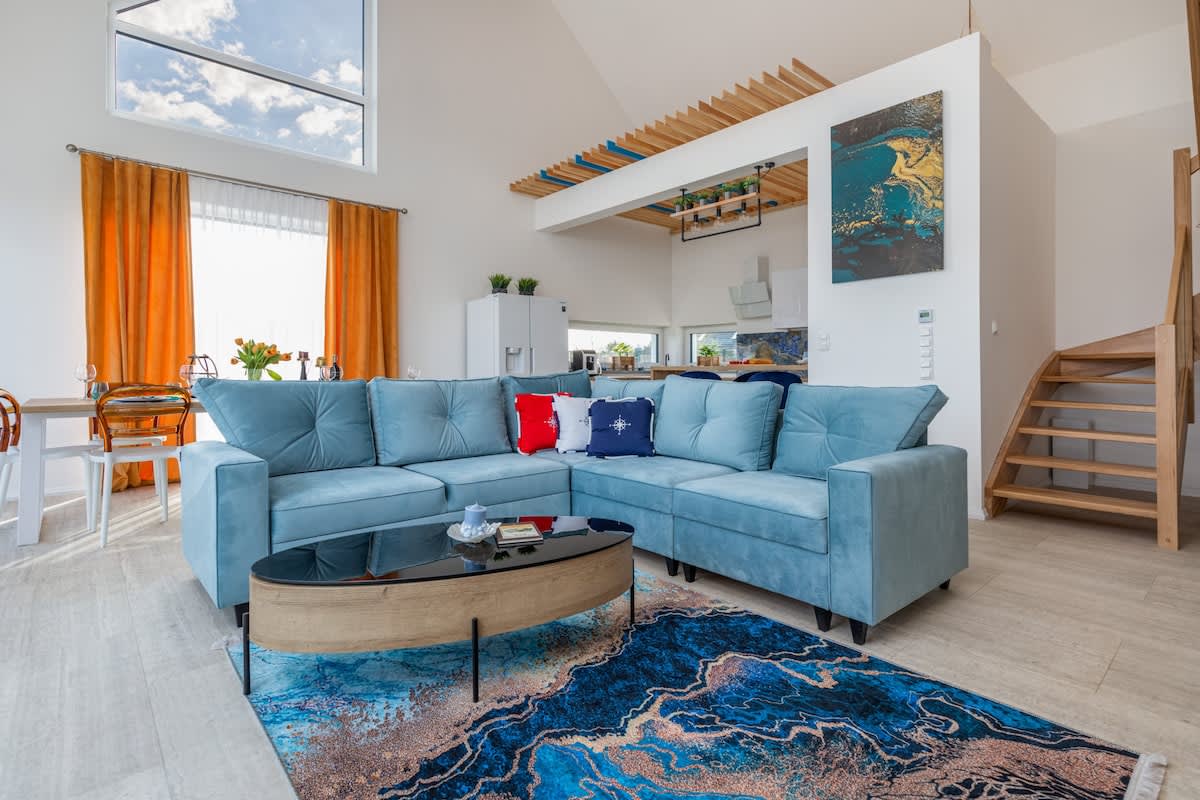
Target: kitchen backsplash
782, 347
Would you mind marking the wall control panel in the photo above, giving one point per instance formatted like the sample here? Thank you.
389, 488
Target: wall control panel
925, 343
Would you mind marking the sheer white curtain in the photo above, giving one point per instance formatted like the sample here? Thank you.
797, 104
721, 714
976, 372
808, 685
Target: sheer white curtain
258, 272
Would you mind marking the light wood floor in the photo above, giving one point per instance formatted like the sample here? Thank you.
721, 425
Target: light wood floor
113, 683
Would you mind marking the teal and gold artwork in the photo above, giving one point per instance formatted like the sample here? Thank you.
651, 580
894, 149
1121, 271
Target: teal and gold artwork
887, 175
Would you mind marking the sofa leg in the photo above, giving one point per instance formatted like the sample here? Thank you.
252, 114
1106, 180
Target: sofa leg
672, 566
689, 573
238, 611
944, 586
824, 618
858, 630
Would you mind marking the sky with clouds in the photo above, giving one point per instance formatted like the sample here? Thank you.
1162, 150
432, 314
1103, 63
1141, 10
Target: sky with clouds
317, 39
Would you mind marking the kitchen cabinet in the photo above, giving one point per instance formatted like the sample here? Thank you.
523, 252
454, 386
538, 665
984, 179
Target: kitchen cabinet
789, 298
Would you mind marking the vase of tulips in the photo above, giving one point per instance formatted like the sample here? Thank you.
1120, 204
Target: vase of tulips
257, 358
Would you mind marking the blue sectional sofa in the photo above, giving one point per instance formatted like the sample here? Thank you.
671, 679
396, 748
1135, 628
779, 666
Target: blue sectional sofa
836, 501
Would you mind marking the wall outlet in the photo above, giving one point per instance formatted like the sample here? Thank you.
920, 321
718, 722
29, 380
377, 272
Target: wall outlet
823, 340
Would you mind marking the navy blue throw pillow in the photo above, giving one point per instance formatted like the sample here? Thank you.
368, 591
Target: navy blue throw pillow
622, 427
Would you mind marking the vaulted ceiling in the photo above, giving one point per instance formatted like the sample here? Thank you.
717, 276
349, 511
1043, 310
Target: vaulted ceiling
782, 187
657, 56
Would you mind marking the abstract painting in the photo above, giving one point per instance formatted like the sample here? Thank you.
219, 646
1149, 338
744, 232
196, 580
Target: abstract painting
888, 209
782, 347
700, 700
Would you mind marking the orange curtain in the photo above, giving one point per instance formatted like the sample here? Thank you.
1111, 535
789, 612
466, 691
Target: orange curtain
137, 259
361, 290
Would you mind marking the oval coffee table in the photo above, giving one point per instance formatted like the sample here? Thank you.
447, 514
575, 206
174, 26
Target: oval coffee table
415, 586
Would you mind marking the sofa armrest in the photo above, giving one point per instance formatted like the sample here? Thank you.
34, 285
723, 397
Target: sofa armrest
225, 517
897, 528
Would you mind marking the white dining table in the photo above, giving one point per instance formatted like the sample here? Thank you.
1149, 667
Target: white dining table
34, 415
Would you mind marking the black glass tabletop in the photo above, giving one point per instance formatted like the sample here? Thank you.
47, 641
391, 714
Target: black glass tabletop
425, 552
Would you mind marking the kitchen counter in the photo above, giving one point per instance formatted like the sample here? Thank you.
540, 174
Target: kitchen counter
661, 371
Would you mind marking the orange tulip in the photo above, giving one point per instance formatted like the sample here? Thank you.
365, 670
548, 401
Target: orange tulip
233, 361
286, 357
239, 341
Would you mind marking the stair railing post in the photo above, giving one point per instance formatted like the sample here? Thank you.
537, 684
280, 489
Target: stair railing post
1166, 435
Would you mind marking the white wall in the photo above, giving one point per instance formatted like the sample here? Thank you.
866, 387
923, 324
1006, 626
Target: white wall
467, 104
702, 272
1016, 291
1114, 248
872, 324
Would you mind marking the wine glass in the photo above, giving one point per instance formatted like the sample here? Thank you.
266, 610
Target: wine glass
413, 373
85, 374
185, 375
326, 371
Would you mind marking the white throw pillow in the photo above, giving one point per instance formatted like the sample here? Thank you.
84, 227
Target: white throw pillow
574, 427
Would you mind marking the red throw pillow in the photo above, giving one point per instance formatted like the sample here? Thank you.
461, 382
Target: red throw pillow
537, 427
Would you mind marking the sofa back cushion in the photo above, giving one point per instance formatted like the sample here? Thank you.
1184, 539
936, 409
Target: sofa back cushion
576, 384
619, 390
295, 426
828, 425
720, 422
417, 421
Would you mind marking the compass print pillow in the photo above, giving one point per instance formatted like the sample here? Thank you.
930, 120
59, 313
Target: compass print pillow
622, 428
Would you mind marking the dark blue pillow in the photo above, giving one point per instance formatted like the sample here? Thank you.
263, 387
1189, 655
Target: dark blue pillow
622, 427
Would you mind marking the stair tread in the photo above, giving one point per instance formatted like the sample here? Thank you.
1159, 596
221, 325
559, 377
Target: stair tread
1080, 433
1146, 408
1082, 465
1086, 500
1096, 379
1138, 355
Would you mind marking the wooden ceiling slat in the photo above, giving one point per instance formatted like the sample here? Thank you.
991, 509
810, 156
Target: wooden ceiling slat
797, 82
752, 100
810, 74
783, 89
787, 185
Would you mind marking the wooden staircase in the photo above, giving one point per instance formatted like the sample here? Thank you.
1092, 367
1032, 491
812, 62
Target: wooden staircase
1170, 350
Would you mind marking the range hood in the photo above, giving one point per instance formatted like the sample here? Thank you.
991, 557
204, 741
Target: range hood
752, 298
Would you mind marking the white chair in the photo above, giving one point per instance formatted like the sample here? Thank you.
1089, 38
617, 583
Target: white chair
135, 423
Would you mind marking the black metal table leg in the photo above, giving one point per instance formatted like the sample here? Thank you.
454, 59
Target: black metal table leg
631, 606
475, 658
246, 652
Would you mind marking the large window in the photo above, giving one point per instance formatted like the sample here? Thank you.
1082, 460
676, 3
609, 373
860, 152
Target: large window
285, 73
725, 343
258, 272
608, 342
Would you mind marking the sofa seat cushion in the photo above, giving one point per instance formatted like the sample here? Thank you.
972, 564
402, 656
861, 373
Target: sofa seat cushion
824, 426
570, 459
492, 480
419, 421
643, 482
767, 505
720, 422
295, 426
310, 504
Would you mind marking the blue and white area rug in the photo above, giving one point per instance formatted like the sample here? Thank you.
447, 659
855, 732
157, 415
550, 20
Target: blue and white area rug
700, 700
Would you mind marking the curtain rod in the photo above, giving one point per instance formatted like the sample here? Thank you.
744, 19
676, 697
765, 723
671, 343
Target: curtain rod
73, 149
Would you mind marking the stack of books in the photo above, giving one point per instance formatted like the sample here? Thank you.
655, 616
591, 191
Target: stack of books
515, 534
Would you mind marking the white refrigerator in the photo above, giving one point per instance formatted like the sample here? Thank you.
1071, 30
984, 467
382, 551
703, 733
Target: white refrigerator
511, 334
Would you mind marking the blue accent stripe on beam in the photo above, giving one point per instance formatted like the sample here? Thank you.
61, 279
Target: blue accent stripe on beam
771, 203
663, 209
579, 160
548, 177
613, 147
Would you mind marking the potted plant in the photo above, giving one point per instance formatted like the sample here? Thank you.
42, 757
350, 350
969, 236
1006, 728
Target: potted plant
500, 282
622, 357
680, 202
526, 286
731, 190
692, 200
750, 185
257, 357
708, 356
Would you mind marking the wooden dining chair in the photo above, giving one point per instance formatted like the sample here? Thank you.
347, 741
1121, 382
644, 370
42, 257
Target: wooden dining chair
126, 416
10, 438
